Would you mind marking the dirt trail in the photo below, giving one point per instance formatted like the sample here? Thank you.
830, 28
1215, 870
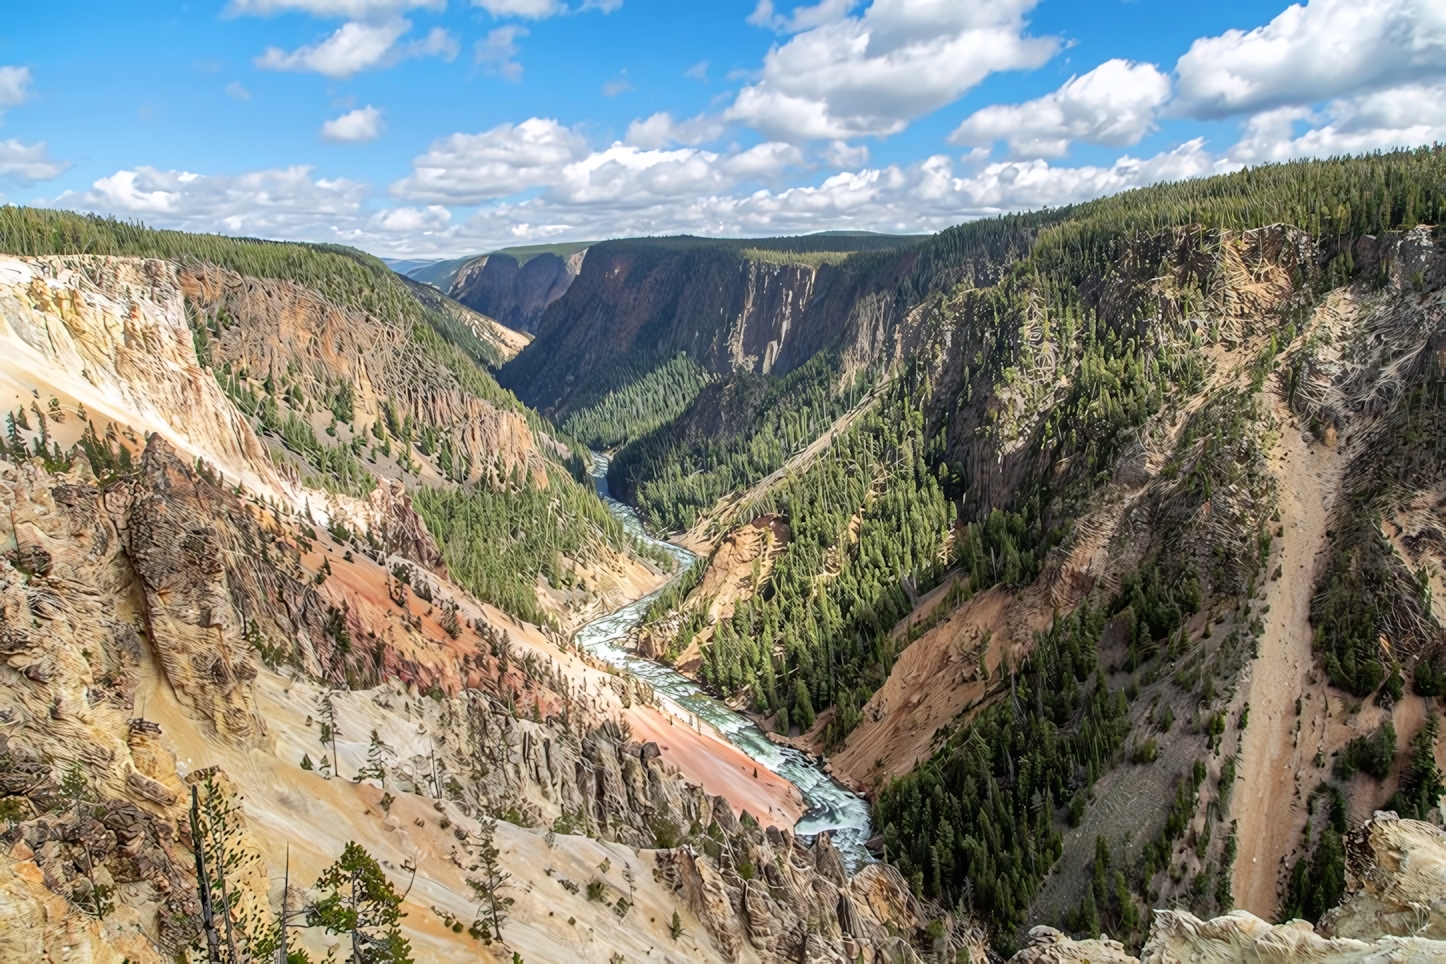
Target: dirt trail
1273, 755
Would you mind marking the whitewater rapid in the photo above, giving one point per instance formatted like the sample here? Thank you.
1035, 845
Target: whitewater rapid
831, 806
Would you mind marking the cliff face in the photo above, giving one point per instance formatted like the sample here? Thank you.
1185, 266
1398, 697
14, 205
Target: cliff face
1393, 911
727, 311
515, 294
158, 626
276, 331
111, 334
173, 608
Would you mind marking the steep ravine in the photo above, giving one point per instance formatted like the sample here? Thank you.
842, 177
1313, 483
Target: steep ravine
831, 807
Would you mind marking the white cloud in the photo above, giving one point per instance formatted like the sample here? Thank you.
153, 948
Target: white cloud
872, 74
618, 85
698, 72
357, 46
29, 162
354, 127
14, 87
1115, 105
844, 154
408, 220
531, 9
281, 203
1405, 116
471, 168
496, 51
541, 153
627, 177
541, 9
661, 130
803, 18
350, 9
1311, 53
235, 91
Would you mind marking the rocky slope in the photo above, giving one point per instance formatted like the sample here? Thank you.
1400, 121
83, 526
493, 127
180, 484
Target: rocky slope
182, 607
515, 294
146, 620
729, 306
1393, 911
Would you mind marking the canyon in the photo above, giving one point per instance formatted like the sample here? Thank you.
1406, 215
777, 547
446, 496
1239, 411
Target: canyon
1091, 559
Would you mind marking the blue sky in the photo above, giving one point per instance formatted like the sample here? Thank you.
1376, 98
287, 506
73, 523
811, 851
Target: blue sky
447, 127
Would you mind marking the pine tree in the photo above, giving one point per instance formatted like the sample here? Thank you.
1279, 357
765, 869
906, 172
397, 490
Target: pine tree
491, 882
359, 902
326, 713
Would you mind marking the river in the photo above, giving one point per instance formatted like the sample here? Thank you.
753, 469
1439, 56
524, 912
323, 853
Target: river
830, 805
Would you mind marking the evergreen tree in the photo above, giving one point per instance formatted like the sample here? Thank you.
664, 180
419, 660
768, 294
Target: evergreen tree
358, 902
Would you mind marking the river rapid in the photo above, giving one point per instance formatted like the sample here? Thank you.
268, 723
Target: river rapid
831, 807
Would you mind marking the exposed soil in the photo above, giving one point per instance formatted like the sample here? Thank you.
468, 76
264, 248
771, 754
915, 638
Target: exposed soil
1279, 745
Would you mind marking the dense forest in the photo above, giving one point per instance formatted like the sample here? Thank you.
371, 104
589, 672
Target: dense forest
1110, 293
866, 511
498, 540
639, 406
679, 469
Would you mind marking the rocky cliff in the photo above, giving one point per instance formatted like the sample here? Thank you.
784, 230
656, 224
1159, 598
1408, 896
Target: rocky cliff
729, 307
516, 294
1393, 911
158, 626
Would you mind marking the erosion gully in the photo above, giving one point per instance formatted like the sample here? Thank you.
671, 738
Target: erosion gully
831, 807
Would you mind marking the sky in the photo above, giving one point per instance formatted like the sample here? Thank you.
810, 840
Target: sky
442, 128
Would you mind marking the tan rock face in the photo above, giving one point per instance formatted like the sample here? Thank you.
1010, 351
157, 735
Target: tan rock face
112, 334
1049, 946
282, 330
1396, 878
789, 910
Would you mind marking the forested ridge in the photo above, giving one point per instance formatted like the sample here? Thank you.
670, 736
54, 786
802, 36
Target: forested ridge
499, 528
1055, 344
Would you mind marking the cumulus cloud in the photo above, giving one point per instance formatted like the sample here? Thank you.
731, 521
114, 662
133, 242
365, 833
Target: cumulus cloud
280, 203
803, 18
1115, 105
844, 154
357, 46
354, 127
497, 52
541, 9
410, 220
29, 162
235, 91
14, 86
628, 177
1404, 116
661, 130
874, 73
1311, 53
698, 72
471, 168
350, 9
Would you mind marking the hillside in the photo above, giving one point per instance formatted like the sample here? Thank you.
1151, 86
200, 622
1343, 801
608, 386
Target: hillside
1113, 533
1100, 548
284, 571
755, 306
